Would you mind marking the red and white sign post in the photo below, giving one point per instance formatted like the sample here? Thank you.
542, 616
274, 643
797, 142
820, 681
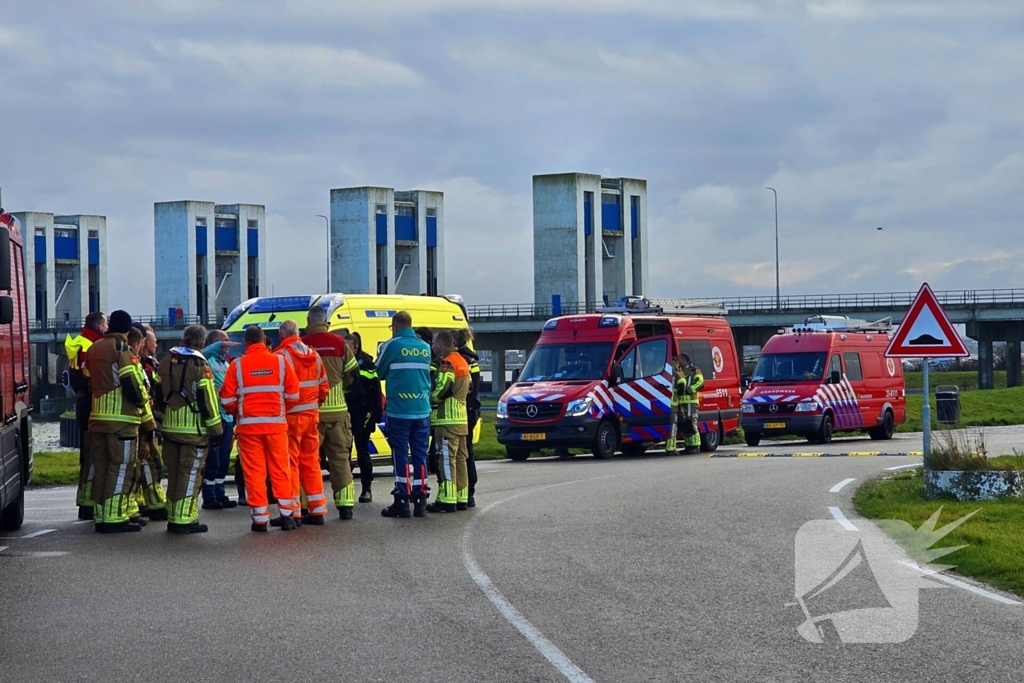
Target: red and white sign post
926, 333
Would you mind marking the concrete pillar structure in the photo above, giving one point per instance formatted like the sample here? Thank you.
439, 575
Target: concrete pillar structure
1013, 364
498, 371
986, 373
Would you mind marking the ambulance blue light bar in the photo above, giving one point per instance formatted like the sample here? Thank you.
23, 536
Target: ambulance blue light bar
276, 304
609, 321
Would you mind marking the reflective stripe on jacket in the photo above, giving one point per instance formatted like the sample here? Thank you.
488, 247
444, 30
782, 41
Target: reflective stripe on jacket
119, 396
686, 389
192, 413
340, 364
404, 367
309, 370
451, 387
258, 390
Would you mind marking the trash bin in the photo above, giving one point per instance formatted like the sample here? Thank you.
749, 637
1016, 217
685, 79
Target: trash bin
69, 436
947, 404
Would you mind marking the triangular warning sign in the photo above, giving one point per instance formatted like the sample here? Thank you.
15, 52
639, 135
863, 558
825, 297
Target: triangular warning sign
926, 331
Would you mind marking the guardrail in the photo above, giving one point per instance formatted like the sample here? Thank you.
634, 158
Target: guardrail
967, 298
737, 305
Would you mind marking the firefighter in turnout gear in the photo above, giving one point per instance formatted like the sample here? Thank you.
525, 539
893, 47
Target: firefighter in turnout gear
77, 349
304, 423
450, 423
335, 421
148, 492
462, 339
191, 418
364, 405
120, 408
688, 380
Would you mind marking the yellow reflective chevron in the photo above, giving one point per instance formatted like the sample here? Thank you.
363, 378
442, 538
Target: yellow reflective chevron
109, 408
335, 402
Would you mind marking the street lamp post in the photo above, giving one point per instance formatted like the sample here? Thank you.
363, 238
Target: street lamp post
327, 224
778, 295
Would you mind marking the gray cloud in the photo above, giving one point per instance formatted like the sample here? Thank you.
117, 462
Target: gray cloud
861, 113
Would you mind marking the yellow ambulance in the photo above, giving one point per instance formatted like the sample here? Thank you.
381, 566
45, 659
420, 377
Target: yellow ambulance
368, 314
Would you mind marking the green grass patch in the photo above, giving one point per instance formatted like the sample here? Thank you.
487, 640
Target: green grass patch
967, 380
994, 536
979, 409
56, 467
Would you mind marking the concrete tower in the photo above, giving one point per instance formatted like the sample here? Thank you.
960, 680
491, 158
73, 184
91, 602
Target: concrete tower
589, 239
387, 242
209, 257
65, 266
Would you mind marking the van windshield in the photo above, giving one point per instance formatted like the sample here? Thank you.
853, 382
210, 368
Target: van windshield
790, 367
552, 362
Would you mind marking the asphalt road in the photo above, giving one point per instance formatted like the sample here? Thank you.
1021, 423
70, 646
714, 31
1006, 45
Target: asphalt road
649, 568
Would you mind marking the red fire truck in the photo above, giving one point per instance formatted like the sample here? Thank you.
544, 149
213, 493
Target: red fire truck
825, 376
604, 381
16, 432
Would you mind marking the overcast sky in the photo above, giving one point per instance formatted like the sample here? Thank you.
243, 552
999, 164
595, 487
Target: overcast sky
862, 114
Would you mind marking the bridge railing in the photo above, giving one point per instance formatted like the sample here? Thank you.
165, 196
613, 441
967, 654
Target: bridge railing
868, 301
76, 324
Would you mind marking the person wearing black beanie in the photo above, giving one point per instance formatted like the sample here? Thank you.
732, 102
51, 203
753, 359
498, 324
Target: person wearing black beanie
120, 409
120, 322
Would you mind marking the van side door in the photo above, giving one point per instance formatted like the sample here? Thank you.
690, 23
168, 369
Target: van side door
643, 398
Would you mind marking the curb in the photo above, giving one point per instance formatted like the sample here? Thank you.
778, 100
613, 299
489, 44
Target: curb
851, 454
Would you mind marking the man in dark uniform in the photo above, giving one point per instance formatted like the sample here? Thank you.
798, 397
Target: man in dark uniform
364, 405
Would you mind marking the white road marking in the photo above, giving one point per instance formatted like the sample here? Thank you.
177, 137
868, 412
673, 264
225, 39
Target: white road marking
36, 534
839, 487
961, 584
549, 650
3, 548
903, 467
63, 507
841, 518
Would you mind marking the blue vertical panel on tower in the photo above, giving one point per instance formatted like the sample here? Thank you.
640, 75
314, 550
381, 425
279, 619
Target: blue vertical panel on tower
66, 248
431, 231
382, 228
225, 239
40, 248
254, 242
634, 216
200, 240
94, 251
556, 305
611, 219
588, 221
405, 228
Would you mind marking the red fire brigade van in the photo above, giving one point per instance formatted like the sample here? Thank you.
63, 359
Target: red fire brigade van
604, 381
829, 375
16, 429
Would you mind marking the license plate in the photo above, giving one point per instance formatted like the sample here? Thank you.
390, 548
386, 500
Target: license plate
774, 425
533, 437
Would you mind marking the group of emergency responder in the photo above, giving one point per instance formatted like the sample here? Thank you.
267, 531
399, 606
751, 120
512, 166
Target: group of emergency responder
293, 411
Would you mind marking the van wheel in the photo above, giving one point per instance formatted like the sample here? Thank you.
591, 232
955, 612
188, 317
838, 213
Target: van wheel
884, 431
606, 441
824, 433
634, 448
517, 454
13, 516
753, 439
709, 442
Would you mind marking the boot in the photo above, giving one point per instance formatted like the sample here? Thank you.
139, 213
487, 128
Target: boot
400, 508
117, 527
472, 501
86, 511
313, 520
420, 506
365, 497
227, 503
439, 507
138, 520
174, 528
288, 524
212, 504
345, 513
278, 521
691, 450
158, 515
462, 507
260, 527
